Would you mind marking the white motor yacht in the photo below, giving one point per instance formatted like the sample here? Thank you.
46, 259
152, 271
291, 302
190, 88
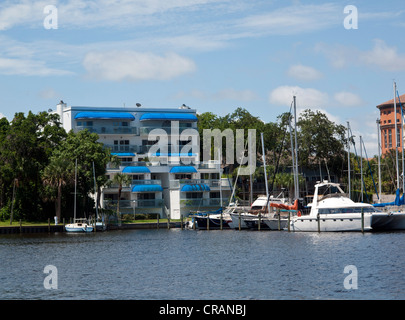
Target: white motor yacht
332, 210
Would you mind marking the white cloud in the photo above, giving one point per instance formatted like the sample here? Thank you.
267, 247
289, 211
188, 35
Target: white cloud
301, 72
305, 97
28, 67
381, 56
224, 94
133, 66
384, 57
294, 19
348, 99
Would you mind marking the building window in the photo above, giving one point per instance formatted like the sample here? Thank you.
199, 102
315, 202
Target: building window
389, 139
385, 139
194, 195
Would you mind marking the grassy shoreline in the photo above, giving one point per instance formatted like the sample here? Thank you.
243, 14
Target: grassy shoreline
45, 223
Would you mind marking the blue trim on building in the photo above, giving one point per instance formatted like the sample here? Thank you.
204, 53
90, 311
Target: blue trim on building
123, 154
147, 188
169, 116
195, 187
136, 169
183, 169
104, 115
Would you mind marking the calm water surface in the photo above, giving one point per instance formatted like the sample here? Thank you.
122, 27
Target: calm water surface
188, 264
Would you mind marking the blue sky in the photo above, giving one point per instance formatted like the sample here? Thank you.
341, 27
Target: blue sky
212, 55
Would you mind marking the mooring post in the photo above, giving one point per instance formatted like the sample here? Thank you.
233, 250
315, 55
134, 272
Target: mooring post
288, 222
208, 221
220, 224
362, 220
279, 222
260, 221
318, 218
181, 221
239, 222
168, 221
157, 224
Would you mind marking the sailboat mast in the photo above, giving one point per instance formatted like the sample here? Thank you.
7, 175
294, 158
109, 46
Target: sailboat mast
265, 173
95, 189
396, 133
361, 167
348, 159
379, 161
292, 153
74, 210
295, 151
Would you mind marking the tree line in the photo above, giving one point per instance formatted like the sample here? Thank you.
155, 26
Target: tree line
37, 167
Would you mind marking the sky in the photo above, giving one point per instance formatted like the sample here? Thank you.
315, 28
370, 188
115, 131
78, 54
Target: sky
338, 57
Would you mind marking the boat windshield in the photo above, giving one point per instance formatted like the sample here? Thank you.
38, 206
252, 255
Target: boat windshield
347, 210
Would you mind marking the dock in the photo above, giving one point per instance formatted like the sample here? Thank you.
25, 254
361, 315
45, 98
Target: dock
48, 228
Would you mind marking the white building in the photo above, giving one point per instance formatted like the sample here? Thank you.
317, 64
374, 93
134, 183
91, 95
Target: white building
167, 177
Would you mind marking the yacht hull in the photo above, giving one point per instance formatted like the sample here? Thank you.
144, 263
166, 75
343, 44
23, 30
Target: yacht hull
388, 221
332, 222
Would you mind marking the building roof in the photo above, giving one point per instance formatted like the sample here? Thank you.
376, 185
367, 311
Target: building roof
391, 102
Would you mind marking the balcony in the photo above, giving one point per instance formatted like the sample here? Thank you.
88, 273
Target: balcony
109, 130
204, 202
131, 204
144, 131
121, 148
212, 183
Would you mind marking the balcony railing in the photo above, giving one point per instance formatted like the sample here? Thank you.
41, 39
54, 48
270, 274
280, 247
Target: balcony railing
109, 130
121, 148
141, 203
212, 183
204, 202
144, 131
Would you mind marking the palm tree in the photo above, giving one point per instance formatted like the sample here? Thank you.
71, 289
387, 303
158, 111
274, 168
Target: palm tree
57, 174
120, 179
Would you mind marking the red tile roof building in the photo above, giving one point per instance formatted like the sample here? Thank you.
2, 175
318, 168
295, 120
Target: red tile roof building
387, 123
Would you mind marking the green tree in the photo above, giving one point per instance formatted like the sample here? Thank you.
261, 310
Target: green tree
122, 180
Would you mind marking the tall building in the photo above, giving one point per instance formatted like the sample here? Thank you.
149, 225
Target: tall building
155, 150
387, 123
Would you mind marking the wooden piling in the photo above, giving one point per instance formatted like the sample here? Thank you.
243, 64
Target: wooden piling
279, 222
157, 224
318, 218
260, 221
239, 221
220, 223
181, 221
208, 221
362, 220
288, 222
168, 221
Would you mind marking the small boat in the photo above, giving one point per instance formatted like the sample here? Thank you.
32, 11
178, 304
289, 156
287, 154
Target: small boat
250, 219
79, 225
332, 210
391, 218
213, 218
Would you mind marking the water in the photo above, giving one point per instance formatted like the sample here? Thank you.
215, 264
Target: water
188, 264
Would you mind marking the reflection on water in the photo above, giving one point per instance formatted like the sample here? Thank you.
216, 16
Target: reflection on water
188, 264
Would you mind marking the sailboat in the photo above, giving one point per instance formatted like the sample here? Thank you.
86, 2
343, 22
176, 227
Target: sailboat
391, 219
79, 225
